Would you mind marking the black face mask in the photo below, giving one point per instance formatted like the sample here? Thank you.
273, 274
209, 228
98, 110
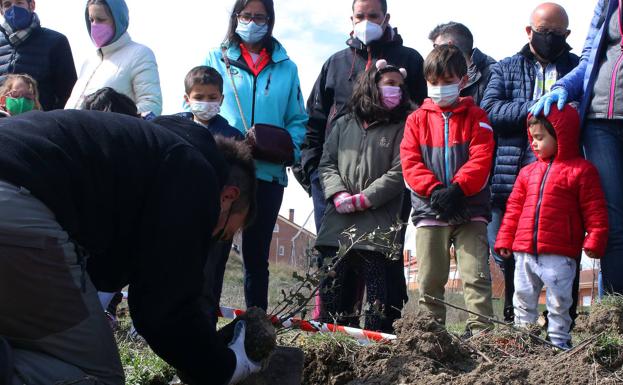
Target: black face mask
548, 45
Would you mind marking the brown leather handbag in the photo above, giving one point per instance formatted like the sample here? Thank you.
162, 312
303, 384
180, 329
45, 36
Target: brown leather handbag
269, 143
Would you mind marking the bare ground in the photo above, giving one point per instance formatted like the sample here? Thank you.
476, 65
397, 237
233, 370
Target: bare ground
425, 353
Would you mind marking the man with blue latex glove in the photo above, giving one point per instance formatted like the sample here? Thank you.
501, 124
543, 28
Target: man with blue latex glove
559, 95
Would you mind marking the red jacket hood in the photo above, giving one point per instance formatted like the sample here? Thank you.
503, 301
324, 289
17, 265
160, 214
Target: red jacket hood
463, 104
566, 123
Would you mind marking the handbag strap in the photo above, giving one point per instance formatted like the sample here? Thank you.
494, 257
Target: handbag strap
233, 85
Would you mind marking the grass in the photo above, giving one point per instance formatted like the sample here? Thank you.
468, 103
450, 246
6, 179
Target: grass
140, 364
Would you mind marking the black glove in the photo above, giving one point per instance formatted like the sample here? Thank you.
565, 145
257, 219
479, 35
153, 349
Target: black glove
443, 198
456, 214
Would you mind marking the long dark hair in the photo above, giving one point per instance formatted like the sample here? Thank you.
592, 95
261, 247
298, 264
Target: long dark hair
366, 104
232, 37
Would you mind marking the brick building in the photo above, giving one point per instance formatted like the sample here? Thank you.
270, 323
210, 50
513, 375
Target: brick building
289, 244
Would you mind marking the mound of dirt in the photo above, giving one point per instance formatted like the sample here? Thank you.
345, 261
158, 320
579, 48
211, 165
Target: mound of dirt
605, 319
425, 353
260, 336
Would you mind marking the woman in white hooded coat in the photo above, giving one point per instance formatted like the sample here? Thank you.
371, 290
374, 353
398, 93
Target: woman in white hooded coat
120, 63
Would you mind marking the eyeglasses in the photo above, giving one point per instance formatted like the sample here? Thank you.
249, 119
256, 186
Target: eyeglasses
246, 18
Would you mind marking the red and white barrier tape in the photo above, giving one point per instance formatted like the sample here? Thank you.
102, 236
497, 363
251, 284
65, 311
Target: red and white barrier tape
317, 327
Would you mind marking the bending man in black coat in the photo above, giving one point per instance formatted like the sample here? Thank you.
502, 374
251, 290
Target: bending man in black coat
100, 200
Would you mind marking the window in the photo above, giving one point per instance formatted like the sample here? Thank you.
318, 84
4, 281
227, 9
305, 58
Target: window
276, 229
282, 251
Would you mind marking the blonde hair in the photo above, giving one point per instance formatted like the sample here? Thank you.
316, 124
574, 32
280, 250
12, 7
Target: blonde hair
11, 79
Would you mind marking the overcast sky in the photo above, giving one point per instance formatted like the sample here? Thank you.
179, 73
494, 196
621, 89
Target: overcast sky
180, 34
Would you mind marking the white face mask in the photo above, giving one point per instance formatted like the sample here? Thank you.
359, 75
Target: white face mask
205, 110
367, 31
444, 96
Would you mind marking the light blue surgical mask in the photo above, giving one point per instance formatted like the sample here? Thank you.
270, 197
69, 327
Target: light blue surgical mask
251, 33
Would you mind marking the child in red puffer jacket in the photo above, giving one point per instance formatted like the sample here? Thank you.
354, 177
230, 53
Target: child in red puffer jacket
556, 209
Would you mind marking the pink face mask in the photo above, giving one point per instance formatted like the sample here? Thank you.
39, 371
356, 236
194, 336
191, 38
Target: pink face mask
392, 96
101, 34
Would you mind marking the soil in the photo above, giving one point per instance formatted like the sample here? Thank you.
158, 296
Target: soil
425, 353
260, 336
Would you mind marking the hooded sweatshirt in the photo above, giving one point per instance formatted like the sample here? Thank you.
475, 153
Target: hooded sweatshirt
127, 67
555, 202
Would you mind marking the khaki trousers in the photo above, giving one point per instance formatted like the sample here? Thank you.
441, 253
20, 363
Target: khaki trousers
472, 255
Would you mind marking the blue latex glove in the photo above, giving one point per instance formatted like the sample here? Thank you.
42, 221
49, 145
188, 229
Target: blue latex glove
544, 104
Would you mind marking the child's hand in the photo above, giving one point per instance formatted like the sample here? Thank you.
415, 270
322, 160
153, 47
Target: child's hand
590, 254
343, 203
506, 253
361, 202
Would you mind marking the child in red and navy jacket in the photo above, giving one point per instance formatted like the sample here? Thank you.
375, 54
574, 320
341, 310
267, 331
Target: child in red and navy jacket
446, 155
556, 209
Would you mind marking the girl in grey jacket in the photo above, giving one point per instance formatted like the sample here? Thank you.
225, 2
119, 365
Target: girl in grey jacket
361, 176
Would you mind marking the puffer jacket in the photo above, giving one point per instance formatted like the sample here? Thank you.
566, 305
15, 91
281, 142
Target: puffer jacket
334, 87
272, 97
46, 56
507, 100
555, 202
127, 67
445, 146
367, 161
579, 82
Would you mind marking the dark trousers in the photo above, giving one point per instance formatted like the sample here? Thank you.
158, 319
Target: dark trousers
340, 294
603, 146
256, 243
320, 204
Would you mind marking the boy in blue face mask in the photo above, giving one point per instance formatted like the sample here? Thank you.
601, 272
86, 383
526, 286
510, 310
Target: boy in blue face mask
204, 95
446, 154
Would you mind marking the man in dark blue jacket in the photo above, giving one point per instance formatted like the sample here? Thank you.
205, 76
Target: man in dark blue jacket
517, 82
44, 54
94, 200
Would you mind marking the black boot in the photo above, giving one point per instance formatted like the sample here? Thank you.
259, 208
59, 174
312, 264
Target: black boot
6, 362
509, 315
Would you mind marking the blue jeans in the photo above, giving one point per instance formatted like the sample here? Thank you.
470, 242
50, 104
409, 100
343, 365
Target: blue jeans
320, 204
256, 243
603, 146
492, 232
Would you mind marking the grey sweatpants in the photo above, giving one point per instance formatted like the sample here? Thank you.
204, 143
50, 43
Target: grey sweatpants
557, 274
49, 310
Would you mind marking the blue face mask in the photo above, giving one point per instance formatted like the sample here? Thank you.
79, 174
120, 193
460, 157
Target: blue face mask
251, 33
18, 17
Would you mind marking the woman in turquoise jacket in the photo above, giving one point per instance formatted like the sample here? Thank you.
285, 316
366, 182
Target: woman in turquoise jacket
269, 91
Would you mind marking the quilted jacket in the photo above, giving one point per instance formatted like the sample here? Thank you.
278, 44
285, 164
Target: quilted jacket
555, 202
46, 56
507, 100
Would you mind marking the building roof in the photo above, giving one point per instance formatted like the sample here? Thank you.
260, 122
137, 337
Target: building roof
303, 230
